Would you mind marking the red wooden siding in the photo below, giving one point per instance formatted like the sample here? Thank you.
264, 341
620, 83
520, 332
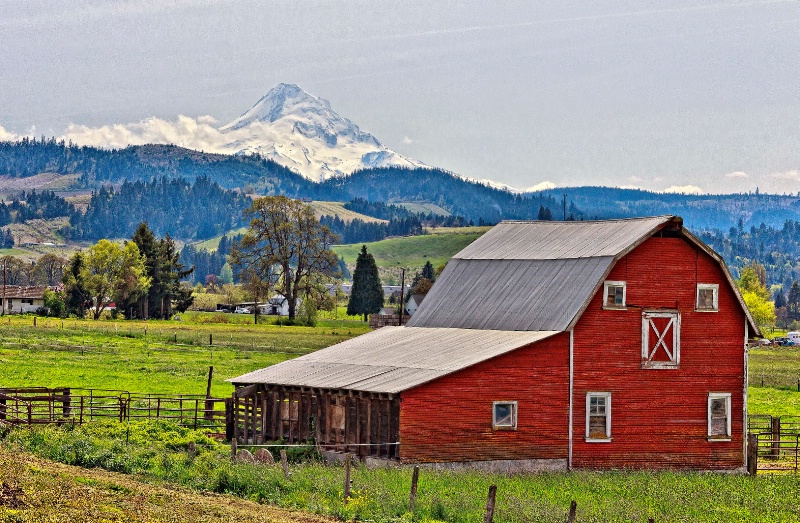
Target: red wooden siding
450, 419
659, 416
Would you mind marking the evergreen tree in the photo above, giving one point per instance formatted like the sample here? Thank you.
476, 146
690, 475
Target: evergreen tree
76, 296
779, 298
793, 302
366, 295
427, 271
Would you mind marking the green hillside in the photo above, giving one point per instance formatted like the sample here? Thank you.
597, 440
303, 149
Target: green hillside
412, 252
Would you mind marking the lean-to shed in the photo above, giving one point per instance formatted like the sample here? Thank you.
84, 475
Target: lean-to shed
604, 344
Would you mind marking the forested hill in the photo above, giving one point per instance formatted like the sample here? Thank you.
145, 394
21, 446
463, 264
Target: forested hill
97, 167
699, 212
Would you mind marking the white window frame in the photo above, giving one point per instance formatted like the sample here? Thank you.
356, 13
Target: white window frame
727, 397
610, 283
607, 396
707, 286
675, 362
513, 425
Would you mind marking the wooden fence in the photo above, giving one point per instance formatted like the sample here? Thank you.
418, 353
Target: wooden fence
777, 441
39, 405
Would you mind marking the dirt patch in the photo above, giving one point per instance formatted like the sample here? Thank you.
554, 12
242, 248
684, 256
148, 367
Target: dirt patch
10, 496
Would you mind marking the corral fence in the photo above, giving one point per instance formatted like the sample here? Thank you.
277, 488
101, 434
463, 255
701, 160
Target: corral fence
41, 405
777, 440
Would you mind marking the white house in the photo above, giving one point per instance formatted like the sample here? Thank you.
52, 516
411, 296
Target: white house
278, 305
18, 299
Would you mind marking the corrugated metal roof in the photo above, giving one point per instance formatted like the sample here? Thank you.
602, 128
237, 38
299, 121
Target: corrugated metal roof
393, 359
529, 275
514, 295
543, 240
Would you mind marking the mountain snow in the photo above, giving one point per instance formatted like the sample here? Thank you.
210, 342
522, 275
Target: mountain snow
302, 132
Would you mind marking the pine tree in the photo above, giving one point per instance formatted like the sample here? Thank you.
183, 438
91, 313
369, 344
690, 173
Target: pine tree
427, 271
366, 296
793, 302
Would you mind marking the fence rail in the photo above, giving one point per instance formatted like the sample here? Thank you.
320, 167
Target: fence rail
31, 406
777, 442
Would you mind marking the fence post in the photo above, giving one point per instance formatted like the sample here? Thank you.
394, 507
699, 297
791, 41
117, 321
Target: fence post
775, 449
284, 463
192, 450
234, 444
210, 339
413, 498
489, 517
230, 420
573, 507
346, 477
752, 454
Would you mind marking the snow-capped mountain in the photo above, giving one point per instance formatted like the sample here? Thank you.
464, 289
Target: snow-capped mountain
302, 132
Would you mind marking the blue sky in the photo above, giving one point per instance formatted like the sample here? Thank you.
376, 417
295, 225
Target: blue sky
651, 94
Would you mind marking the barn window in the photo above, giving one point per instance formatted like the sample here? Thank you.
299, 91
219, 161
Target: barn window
707, 297
614, 295
719, 416
504, 415
661, 340
598, 416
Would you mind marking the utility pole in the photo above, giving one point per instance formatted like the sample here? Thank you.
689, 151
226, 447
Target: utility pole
4, 285
402, 295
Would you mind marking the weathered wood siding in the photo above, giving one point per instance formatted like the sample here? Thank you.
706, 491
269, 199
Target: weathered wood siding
450, 419
659, 416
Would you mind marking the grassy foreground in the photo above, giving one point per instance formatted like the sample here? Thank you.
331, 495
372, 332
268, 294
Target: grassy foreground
381, 495
33, 490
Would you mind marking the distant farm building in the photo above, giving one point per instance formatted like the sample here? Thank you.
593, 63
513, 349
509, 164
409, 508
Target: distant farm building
19, 299
606, 344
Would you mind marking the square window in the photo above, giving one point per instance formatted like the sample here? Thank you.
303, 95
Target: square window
707, 297
504, 415
598, 416
661, 340
719, 419
614, 295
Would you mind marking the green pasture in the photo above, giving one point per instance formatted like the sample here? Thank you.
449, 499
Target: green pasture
154, 356
413, 251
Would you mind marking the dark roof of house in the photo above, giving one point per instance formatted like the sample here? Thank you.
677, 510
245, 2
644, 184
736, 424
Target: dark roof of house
539, 275
24, 292
392, 359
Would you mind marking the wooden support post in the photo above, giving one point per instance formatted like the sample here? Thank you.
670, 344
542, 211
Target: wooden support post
775, 448
489, 517
573, 506
230, 419
234, 446
192, 450
284, 463
413, 498
34, 321
346, 477
752, 454
210, 339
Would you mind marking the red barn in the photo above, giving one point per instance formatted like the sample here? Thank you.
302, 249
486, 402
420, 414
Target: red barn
604, 344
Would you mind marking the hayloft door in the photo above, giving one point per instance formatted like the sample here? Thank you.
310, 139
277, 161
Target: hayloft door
661, 339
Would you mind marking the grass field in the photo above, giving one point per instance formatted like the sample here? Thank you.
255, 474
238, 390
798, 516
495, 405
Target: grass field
412, 252
338, 209
155, 356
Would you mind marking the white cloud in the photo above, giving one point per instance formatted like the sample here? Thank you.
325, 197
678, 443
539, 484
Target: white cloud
684, 189
636, 187
407, 140
793, 175
8, 136
542, 186
737, 174
193, 133
634, 179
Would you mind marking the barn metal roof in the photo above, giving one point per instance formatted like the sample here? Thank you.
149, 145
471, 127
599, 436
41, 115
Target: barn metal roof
545, 240
393, 359
510, 294
538, 275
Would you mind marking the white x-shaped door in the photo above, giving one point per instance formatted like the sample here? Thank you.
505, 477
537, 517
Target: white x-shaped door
660, 339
